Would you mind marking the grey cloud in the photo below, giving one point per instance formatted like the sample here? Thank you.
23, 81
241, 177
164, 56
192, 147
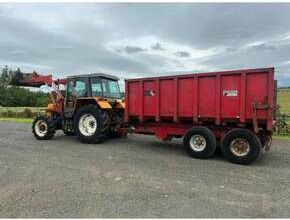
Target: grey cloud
118, 50
182, 54
284, 77
45, 48
133, 49
17, 52
258, 57
264, 47
231, 49
157, 46
77, 36
205, 25
130, 49
62, 47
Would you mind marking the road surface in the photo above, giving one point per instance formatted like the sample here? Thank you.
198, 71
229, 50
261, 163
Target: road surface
135, 177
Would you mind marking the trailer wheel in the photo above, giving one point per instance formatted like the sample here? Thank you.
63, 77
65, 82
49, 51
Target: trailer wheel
241, 146
43, 128
199, 142
91, 124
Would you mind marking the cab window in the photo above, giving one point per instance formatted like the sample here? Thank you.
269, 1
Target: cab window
96, 87
77, 88
111, 88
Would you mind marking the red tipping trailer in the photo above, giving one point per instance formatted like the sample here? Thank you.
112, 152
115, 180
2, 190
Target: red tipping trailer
235, 107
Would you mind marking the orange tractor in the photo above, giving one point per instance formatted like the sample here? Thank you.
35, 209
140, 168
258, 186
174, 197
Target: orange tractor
92, 107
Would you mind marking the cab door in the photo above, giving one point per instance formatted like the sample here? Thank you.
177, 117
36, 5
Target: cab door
76, 88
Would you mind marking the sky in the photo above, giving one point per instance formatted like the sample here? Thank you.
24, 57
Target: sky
145, 39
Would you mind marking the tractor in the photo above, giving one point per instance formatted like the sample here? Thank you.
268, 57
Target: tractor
91, 107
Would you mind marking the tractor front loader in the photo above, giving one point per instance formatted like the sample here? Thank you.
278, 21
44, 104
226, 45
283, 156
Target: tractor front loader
92, 107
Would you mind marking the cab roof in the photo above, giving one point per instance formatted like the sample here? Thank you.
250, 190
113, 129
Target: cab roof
101, 75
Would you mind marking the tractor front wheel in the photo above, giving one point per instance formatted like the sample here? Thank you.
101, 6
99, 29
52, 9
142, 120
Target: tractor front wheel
43, 128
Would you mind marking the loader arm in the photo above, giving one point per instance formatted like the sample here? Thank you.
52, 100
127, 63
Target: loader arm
18, 78
33, 79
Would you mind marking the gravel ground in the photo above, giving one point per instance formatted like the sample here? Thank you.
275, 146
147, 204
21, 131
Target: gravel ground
134, 177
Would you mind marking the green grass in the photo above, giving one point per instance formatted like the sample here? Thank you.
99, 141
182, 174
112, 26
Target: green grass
18, 120
283, 100
281, 136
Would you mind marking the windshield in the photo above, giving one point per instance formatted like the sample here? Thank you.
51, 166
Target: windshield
111, 88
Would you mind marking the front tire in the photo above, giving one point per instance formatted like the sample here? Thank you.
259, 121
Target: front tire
43, 128
199, 142
241, 146
91, 124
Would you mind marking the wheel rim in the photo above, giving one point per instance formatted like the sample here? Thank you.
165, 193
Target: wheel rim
41, 128
87, 125
240, 147
197, 142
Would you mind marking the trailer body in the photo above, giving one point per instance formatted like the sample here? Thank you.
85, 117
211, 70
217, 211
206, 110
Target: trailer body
170, 105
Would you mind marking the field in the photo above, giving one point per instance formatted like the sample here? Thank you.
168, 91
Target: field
284, 101
19, 112
20, 109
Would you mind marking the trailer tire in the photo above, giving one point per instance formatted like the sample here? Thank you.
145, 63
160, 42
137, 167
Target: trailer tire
43, 128
199, 142
91, 124
241, 146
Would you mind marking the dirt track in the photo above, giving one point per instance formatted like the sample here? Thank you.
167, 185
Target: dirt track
135, 177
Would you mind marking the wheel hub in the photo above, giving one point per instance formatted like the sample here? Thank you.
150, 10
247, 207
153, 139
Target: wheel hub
240, 147
87, 125
41, 128
197, 142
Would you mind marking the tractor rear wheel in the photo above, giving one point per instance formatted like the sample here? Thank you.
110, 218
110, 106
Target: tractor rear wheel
91, 124
43, 128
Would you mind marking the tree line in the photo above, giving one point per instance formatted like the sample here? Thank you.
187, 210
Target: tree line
14, 96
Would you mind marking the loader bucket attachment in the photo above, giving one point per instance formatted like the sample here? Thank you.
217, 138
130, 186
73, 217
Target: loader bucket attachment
17, 78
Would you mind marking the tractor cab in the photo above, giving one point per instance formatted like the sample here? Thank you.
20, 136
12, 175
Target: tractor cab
97, 88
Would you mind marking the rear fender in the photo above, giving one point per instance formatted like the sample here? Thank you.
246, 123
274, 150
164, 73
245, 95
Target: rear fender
103, 104
120, 105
